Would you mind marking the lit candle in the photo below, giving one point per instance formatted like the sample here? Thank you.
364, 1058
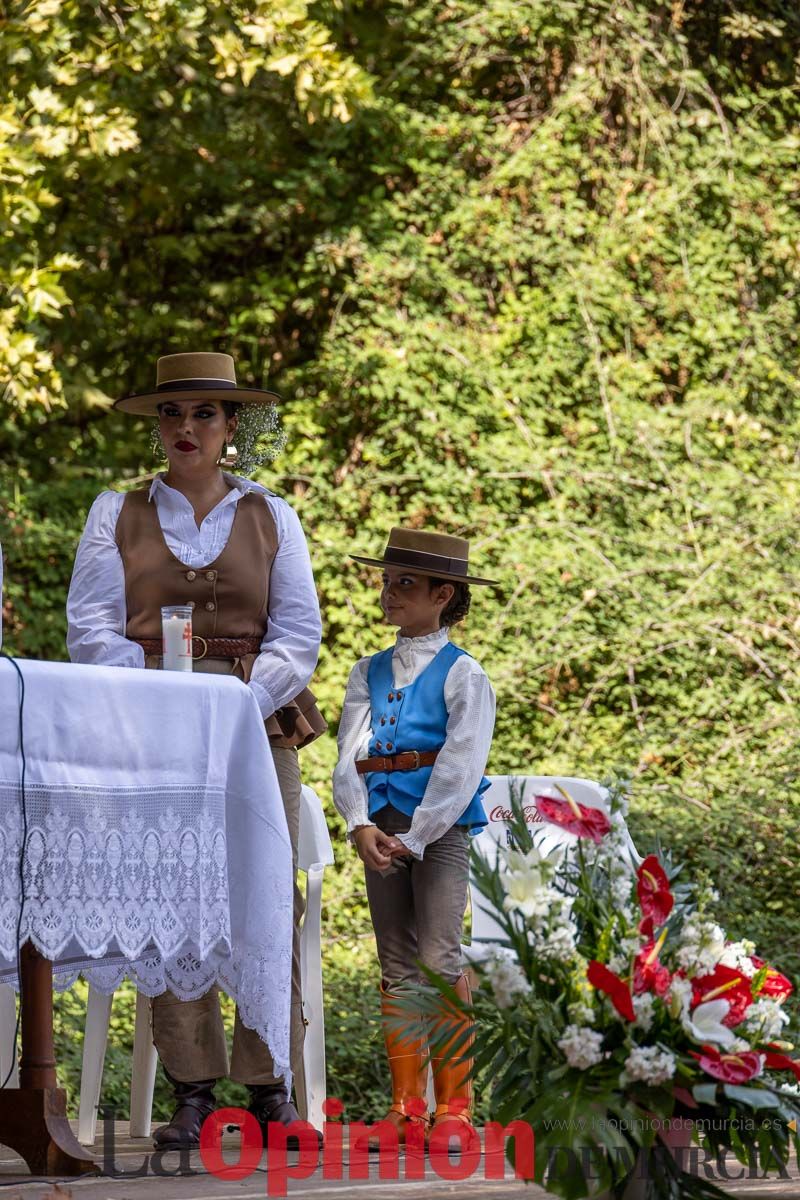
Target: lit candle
176, 626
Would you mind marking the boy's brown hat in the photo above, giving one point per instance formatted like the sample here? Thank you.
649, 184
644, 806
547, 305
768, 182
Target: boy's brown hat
435, 554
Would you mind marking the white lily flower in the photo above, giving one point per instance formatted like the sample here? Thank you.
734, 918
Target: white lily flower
704, 1023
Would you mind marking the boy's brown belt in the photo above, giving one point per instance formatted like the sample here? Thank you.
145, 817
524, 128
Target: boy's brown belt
408, 761
209, 647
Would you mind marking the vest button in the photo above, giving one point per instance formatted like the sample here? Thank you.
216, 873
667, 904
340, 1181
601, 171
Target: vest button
383, 720
210, 606
391, 720
389, 745
399, 696
391, 696
191, 576
378, 745
211, 575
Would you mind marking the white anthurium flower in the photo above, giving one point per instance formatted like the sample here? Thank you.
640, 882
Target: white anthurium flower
526, 881
526, 895
704, 1023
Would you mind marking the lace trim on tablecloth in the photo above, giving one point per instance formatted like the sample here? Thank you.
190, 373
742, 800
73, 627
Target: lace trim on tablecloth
144, 888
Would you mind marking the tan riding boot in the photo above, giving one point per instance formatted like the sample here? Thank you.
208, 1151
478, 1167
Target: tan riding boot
408, 1066
452, 1084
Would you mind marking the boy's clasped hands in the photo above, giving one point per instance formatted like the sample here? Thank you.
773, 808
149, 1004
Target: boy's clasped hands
377, 849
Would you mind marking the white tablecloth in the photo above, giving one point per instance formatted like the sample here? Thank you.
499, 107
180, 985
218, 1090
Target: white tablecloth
157, 844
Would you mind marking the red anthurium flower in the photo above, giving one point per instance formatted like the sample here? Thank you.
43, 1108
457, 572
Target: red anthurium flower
612, 986
724, 983
649, 975
575, 818
730, 1068
647, 928
776, 986
652, 888
781, 1062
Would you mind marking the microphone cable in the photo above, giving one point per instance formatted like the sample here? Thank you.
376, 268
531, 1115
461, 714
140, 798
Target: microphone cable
21, 866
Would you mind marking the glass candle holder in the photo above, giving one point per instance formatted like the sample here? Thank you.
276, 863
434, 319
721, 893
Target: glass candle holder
176, 629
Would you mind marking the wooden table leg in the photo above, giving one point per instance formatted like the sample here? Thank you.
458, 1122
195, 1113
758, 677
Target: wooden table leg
33, 1117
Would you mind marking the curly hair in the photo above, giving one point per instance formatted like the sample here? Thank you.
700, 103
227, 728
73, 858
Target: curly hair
458, 607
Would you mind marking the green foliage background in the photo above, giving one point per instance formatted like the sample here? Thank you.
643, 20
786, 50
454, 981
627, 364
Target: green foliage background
524, 270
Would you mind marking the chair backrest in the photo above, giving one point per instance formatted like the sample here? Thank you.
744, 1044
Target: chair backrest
497, 805
314, 843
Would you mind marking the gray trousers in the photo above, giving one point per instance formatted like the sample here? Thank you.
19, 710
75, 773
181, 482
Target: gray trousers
417, 908
189, 1034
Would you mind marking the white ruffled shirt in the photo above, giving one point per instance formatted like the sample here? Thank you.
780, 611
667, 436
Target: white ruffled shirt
96, 610
455, 776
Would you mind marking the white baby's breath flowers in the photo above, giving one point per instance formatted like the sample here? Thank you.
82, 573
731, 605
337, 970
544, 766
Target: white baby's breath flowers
648, 1064
738, 955
679, 996
581, 1046
702, 945
580, 1013
765, 1020
621, 890
644, 1007
559, 943
506, 977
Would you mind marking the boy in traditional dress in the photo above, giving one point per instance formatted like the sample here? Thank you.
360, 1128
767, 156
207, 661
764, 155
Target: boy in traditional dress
414, 738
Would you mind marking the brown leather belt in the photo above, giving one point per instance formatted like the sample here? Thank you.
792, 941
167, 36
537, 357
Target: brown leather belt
408, 761
208, 647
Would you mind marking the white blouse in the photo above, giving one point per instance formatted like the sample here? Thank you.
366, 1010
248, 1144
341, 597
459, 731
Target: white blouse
96, 611
455, 776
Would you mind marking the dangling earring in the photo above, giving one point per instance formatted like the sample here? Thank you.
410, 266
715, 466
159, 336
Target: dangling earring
229, 456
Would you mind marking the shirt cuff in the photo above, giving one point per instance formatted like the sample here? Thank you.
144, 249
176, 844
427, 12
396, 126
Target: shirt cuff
357, 822
413, 844
265, 702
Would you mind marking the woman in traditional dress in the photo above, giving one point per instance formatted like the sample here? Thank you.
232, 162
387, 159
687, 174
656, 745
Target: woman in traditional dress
237, 553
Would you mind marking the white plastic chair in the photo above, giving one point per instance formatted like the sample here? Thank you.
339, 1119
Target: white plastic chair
496, 803
8, 1020
314, 854
143, 1068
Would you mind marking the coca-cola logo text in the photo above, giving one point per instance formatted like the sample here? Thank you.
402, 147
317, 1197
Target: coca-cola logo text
530, 812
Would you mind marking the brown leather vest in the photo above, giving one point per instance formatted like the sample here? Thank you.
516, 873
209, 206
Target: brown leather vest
230, 595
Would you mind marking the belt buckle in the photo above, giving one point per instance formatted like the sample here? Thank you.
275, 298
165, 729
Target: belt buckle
416, 760
197, 638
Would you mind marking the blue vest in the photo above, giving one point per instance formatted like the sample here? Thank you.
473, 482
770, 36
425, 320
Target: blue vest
412, 718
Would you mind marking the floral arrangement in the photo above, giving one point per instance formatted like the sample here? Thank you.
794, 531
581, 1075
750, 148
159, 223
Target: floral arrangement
616, 1004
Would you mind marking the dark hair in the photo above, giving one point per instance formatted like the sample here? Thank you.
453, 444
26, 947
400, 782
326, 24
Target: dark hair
458, 606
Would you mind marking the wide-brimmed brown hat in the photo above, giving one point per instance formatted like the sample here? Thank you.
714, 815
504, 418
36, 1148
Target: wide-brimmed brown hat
435, 554
194, 377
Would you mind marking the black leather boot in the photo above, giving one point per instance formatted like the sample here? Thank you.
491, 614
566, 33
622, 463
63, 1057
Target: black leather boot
193, 1103
270, 1105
